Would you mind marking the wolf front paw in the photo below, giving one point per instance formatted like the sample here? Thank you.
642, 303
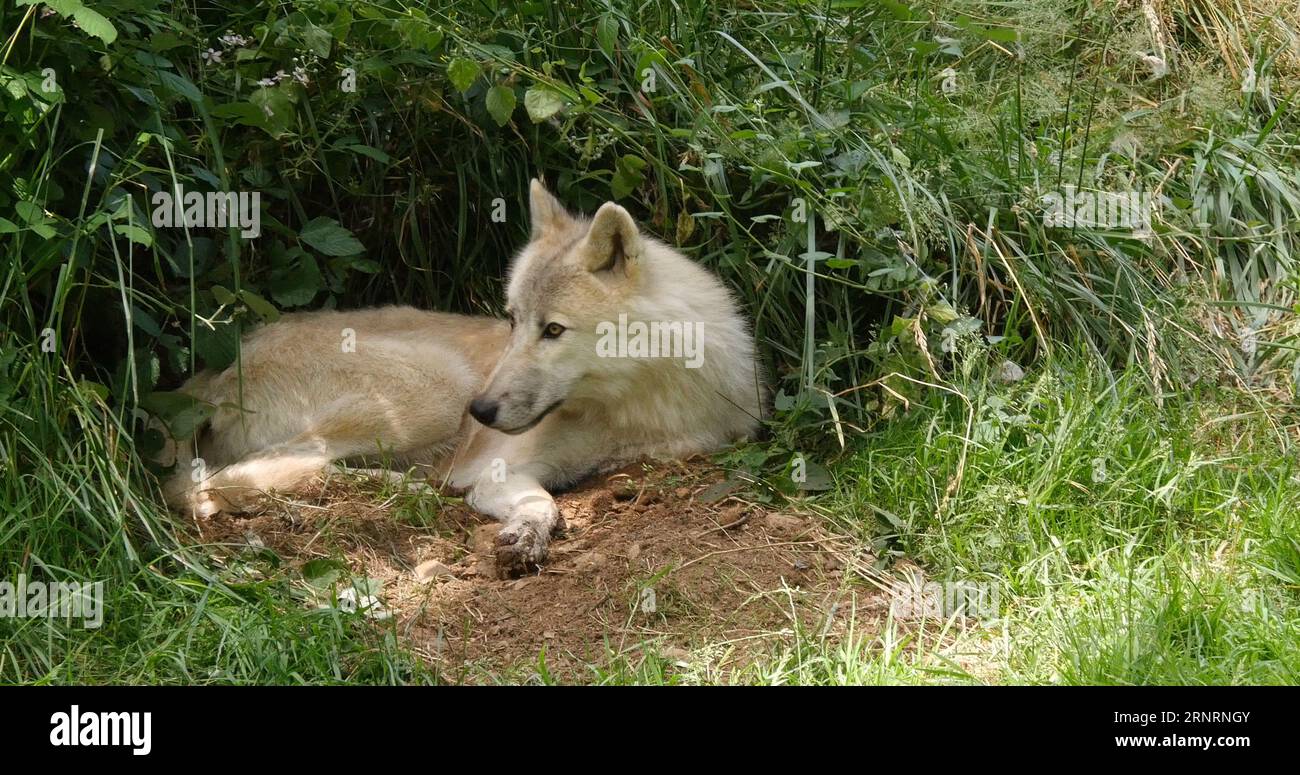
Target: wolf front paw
521, 548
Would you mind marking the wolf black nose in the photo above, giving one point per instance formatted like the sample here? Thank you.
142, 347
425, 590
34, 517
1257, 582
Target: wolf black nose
484, 411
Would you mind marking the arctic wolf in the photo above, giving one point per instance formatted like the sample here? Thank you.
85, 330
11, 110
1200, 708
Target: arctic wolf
617, 347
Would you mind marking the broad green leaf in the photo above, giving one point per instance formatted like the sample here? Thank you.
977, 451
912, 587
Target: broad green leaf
501, 104
134, 233
607, 34
181, 413
296, 279
222, 295
816, 478
462, 73
94, 23
277, 110
326, 236
628, 176
264, 309
318, 39
31, 212
542, 103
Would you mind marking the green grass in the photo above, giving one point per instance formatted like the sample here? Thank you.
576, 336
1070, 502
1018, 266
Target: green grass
1172, 561
1135, 542
1133, 497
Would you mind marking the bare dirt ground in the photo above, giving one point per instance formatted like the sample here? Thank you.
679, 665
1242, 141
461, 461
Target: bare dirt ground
657, 559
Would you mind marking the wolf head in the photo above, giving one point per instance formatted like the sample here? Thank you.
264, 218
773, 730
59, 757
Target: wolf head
568, 280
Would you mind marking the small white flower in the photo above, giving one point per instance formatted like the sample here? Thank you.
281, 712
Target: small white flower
369, 605
212, 56
266, 82
231, 39
300, 75
1159, 68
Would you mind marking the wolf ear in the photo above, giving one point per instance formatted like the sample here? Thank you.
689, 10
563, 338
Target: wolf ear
544, 210
613, 242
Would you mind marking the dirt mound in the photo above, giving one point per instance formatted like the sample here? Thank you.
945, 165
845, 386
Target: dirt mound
656, 558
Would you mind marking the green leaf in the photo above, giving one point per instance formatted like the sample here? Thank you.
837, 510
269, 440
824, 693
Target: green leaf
501, 104
277, 110
295, 278
61, 7
134, 233
462, 73
222, 295
607, 34
181, 413
264, 309
245, 113
94, 23
628, 176
88, 20
30, 212
329, 238
216, 345
368, 150
323, 572
318, 39
542, 103
816, 478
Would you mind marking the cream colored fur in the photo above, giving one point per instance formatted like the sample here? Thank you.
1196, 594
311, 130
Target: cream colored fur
300, 401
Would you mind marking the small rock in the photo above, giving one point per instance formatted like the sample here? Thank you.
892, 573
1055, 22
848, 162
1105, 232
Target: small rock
589, 561
601, 502
675, 654
624, 490
732, 517
432, 569
682, 492
633, 550
549, 635
784, 523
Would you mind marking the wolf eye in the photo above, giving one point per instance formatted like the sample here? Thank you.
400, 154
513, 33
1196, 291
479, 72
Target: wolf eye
552, 331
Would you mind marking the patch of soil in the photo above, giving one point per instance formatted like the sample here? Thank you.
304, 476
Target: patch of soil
656, 558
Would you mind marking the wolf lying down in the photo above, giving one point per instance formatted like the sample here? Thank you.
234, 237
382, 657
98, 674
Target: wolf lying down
504, 411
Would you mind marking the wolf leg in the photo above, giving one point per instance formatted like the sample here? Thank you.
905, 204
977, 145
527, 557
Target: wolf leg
527, 511
241, 487
344, 430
